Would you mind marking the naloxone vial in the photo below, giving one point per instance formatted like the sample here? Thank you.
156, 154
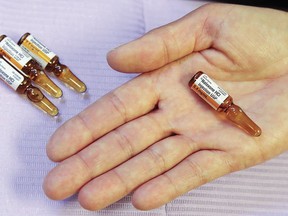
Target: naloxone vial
221, 101
50, 62
22, 85
23, 62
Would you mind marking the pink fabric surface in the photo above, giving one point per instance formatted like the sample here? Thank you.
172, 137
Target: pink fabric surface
81, 33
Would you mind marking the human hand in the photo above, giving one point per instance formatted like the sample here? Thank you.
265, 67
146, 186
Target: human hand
153, 136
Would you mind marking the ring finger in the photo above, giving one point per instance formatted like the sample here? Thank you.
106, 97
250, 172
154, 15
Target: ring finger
123, 179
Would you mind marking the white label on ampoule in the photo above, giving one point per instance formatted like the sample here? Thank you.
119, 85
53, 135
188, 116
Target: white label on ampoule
210, 91
37, 50
14, 53
9, 75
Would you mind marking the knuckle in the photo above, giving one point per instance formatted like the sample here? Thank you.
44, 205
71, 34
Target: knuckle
85, 165
176, 189
126, 188
231, 164
158, 159
197, 171
82, 120
125, 142
118, 106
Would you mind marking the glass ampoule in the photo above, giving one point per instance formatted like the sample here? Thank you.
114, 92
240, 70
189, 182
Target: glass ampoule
50, 62
26, 64
22, 85
221, 101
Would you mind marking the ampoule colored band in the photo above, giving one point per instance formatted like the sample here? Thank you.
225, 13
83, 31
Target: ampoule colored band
37, 50
14, 53
9, 75
209, 91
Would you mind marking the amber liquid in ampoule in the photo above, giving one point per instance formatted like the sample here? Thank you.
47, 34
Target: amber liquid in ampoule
49, 61
221, 101
23, 62
22, 85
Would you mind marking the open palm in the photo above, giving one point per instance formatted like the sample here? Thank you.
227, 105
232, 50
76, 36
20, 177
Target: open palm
155, 137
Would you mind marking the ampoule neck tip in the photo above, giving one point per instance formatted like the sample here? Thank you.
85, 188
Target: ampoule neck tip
257, 133
59, 94
83, 89
54, 114
54, 111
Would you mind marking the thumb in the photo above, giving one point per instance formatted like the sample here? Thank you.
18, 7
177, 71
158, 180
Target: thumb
165, 44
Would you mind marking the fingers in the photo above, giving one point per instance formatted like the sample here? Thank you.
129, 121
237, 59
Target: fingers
129, 101
105, 154
196, 170
165, 44
120, 181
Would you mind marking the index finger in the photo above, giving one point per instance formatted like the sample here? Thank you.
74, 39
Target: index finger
127, 102
193, 32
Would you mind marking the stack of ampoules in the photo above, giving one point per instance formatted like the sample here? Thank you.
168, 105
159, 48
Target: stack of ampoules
25, 63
